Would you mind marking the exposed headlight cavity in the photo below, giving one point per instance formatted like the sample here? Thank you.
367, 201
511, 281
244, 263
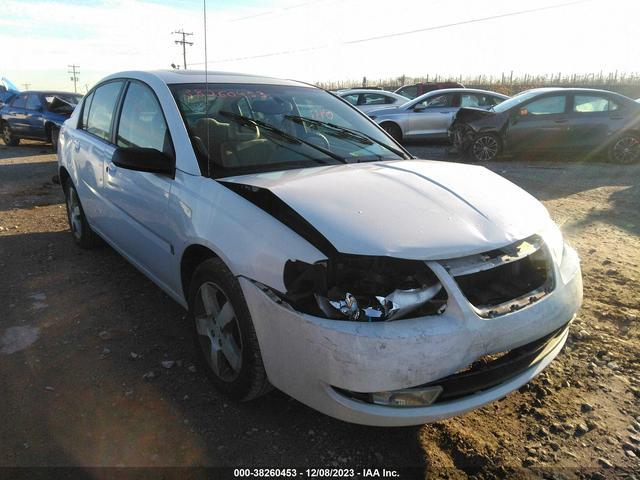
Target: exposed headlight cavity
364, 288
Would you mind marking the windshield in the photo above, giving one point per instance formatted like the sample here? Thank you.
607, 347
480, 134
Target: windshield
237, 128
515, 100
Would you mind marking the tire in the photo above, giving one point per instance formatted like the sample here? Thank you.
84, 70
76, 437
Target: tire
485, 148
393, 130
223, 333
625, 149
54, 133
8, 137
80, 229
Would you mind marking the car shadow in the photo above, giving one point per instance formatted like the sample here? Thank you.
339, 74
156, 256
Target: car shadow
92, 389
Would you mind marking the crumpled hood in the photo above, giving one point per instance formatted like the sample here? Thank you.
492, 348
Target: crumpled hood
414, 209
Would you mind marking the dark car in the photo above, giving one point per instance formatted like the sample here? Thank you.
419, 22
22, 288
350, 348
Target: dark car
545, 119
36, 116
417, 89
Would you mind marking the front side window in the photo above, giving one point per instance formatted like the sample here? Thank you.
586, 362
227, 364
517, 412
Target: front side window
436, 101
373, 99
352, 98
142, 122
593, 104
238, 128
547, 106
85, 109
20, 101
102, 109
470, 100
33, 102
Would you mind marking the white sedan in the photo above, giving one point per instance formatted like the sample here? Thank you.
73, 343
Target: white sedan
368, 100
313, 253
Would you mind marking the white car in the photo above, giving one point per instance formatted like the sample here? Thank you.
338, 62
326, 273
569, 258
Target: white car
313, 253
368, 100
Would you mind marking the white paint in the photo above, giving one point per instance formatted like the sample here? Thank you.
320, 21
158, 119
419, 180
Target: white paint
16, 339
414, 209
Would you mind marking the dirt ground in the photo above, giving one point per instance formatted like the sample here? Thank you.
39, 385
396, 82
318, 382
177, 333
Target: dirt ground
83, 336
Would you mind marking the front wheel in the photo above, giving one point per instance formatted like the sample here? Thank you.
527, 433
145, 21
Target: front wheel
224, 334
625, 149
485, 148
8, 137
82, 233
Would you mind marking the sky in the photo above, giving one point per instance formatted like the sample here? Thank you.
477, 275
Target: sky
316, 40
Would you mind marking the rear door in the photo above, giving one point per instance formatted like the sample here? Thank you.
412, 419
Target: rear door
432, 117
540, 124
34, 122
592, 118
93, 148
139, 224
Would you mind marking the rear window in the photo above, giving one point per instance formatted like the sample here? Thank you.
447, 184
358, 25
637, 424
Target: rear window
102, 108
593, 104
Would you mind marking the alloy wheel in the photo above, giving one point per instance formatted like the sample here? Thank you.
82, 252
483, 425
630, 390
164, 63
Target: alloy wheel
218, 331
75, 214
626, 150
6, 134
485, 148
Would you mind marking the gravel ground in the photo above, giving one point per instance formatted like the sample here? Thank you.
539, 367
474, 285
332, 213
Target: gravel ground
83, 338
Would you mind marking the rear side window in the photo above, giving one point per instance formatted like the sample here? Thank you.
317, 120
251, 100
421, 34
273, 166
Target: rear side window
20, 102
547, 105
103, 105
142, 123
593, 104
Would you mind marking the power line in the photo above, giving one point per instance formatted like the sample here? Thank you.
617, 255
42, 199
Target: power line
270, 12
403, 33
184, 43
74, 75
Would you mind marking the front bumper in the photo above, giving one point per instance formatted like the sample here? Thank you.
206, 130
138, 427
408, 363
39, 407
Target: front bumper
309, 357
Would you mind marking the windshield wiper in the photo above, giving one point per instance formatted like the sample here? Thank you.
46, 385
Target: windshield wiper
347, 132
281, 133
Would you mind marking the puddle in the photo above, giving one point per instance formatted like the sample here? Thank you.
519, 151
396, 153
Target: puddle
18, 338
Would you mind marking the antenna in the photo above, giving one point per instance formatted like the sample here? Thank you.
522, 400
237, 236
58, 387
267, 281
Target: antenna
206, 86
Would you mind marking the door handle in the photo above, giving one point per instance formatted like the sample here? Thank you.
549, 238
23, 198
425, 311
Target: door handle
561, 121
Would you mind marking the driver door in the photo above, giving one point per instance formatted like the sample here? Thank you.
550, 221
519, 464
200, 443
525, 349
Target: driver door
432, 117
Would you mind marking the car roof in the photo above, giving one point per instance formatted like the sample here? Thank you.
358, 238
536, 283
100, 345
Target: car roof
568, 89
49, 92
172, 77
455, 90
366, 90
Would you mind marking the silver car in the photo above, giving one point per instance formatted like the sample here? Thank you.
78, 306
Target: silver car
430, 115
368, 100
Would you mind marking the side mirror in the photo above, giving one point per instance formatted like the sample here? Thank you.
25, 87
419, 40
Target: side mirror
419, 107
523, 112
143, 160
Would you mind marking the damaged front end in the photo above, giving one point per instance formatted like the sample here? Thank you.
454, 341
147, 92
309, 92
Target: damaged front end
364, 288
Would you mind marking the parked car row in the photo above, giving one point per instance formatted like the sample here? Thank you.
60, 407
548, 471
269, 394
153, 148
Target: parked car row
36, 115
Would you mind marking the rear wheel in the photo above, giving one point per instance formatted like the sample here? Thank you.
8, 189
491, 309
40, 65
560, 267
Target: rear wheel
393, 130
82, 233
54, 133
8, 137
485, 148
625, 149
223, 332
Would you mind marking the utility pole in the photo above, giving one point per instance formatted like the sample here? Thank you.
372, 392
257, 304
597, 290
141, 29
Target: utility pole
183, 42
26, 86
74, 75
